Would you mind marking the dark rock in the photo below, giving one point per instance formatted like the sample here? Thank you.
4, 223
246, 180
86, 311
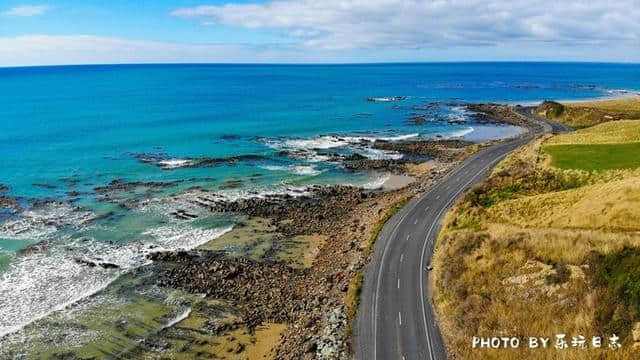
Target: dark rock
391, 165
418, 151
90, 263
98, 217
496, 113
44, 186
123, 185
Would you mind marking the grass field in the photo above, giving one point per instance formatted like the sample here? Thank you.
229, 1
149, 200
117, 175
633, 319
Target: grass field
549, 243
628, 104
611, 206
612, 132
595, 157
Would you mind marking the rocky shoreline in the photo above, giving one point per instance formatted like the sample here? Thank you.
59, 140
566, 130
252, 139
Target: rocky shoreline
311, 301
310, 298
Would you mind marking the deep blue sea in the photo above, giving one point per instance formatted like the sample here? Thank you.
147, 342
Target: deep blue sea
234, 130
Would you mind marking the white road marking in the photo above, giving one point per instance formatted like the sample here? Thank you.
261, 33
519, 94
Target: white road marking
426, 209
408, 237
400, 317
374, 306
374, 319
401, 257
398, 283
437, 197
424, 248
415, 222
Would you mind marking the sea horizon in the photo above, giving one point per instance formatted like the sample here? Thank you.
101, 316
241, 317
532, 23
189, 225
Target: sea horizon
98, 156
329, 63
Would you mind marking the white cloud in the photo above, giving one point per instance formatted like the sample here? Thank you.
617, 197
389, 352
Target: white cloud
27, 10
29, 50
361, 24
88, 49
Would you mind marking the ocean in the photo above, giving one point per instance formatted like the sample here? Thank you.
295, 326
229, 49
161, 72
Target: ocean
96, 158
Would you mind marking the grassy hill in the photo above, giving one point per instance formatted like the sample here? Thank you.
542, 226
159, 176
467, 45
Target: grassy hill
585, 114
614, 132
549, 243
610, 145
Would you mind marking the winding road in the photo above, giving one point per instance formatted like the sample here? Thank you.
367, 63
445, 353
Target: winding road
395, 319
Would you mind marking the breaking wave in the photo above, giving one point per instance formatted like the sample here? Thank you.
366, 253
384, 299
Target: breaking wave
40, 282
174, 163
459, 133
332, 141
309, 170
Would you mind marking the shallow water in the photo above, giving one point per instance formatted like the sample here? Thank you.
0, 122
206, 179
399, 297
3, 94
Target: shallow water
69, 130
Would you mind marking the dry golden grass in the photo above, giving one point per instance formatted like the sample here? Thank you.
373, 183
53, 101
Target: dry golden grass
613, 206
615, 105
585, 114
613, 132
566, 246
521, 262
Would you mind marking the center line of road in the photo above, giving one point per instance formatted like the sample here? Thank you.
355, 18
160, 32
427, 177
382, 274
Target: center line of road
375, 317
424, 247
400, 317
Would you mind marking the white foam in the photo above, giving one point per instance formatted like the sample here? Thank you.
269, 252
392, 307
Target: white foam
377, 154
323, 142
387, 98
39, 223
174, 163
40, 283
396, 138
376, 183
164, 207
171, 237
259, 193
332, 141
315, 157
622, 93
459, 133
381, 99
295, 169
185, 314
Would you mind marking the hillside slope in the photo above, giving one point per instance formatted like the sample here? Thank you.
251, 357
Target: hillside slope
538, 250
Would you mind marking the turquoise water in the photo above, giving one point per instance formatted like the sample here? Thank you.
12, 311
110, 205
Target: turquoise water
65, 131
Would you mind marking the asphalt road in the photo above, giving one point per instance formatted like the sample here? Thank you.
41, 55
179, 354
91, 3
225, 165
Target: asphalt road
395, 319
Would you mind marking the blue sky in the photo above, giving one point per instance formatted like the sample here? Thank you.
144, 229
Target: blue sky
293, 31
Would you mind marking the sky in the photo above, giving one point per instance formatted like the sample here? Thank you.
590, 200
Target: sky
316, 31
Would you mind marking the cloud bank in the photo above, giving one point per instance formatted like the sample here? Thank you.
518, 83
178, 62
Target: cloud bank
347, 31
88, 49
27, 10
364, 24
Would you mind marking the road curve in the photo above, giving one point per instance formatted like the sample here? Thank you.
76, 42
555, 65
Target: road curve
395, 319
